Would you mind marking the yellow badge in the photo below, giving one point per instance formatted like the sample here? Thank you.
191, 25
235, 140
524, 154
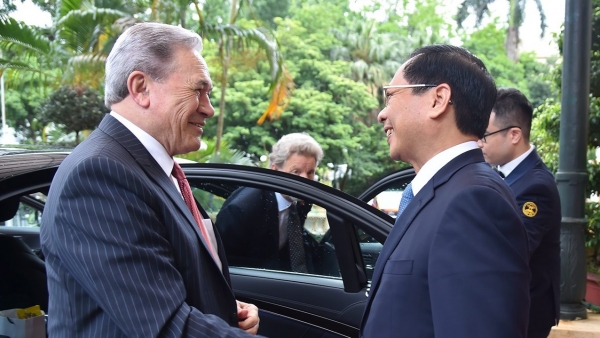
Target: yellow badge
530, 209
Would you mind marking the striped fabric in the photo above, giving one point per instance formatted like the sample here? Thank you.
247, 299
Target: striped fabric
124, 256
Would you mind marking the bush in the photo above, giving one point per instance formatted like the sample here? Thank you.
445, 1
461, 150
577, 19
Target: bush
75, 108
592, 236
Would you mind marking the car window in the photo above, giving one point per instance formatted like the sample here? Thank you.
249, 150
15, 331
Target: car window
27, 214
253, 229
370, 249
388, 201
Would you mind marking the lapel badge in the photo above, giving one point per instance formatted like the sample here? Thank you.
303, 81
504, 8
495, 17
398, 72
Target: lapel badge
530, 209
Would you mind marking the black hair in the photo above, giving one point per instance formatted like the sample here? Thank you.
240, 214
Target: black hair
512, 108
473, 88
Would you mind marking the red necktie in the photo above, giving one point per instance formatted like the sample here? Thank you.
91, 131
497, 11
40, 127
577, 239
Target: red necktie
186, 191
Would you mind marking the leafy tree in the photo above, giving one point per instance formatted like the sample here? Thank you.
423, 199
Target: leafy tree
267, 10
516, 15
7, 7
375, 57
327, 104
208, 154
546, 130
22, 111
75, 108
533, 78
376, 48
71, 52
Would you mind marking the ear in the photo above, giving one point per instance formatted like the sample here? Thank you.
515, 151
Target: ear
274, 167
137, 84
441, 100
516, 135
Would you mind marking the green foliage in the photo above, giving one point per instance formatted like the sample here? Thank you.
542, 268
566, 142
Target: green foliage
268, 10
533, 78
22, 111
592, 236
209, 154
516, 15
539, 78
75, 108
488, 44
335, 99
545, 131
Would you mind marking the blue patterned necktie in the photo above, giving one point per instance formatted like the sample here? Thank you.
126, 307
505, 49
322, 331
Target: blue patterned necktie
407, 196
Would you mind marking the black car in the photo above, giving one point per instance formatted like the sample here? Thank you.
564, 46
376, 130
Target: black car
291, 304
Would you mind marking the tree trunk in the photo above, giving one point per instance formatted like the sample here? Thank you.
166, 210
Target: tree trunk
511, 44
224, 78
226, 42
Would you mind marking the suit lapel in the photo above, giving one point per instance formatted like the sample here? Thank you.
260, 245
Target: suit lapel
415, 206
523, 167
132, 144
401, 226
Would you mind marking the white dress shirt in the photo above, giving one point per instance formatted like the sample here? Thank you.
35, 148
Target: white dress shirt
510, 166
166, 162
431, 167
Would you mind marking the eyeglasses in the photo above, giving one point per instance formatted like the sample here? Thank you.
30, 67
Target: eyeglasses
495, 132
386, 96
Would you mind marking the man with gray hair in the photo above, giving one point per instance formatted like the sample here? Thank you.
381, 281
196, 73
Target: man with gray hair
265, 229
129, 251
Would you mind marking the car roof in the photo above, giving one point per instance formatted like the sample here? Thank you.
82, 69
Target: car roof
17, 161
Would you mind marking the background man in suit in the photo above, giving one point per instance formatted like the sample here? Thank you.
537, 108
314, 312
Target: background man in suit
127, 253
506, 145
259, 227
455, 262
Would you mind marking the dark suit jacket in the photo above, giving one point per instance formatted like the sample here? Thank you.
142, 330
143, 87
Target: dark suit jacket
249, 226
455, 262
124, 255
532, 182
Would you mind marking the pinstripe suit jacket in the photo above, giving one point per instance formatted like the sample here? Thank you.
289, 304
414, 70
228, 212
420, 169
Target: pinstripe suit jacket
124, 255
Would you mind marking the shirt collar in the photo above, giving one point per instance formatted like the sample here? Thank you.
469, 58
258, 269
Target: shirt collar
282, 202
431, 167
510, 166
156, 150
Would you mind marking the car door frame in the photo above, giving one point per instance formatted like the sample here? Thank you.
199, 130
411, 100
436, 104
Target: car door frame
314, 301
403, 175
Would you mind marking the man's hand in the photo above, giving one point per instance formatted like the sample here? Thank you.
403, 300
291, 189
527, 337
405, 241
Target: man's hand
247, 317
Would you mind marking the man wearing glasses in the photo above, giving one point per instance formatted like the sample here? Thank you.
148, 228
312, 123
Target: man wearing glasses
506, 145
455, 262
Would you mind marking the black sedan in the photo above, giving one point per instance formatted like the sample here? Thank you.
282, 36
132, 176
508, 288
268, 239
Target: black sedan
329, 304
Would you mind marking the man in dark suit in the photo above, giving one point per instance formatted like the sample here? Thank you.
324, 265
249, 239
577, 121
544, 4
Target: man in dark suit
255, 224
128, 253
455, 262
506, 145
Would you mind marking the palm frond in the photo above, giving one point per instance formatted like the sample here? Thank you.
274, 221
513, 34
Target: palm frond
18, 74
67, 6
479, 7
22, 38
244, 37
280, 98
12, 64
86, 31
86, 69
543, 25
94, 15
281, 81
